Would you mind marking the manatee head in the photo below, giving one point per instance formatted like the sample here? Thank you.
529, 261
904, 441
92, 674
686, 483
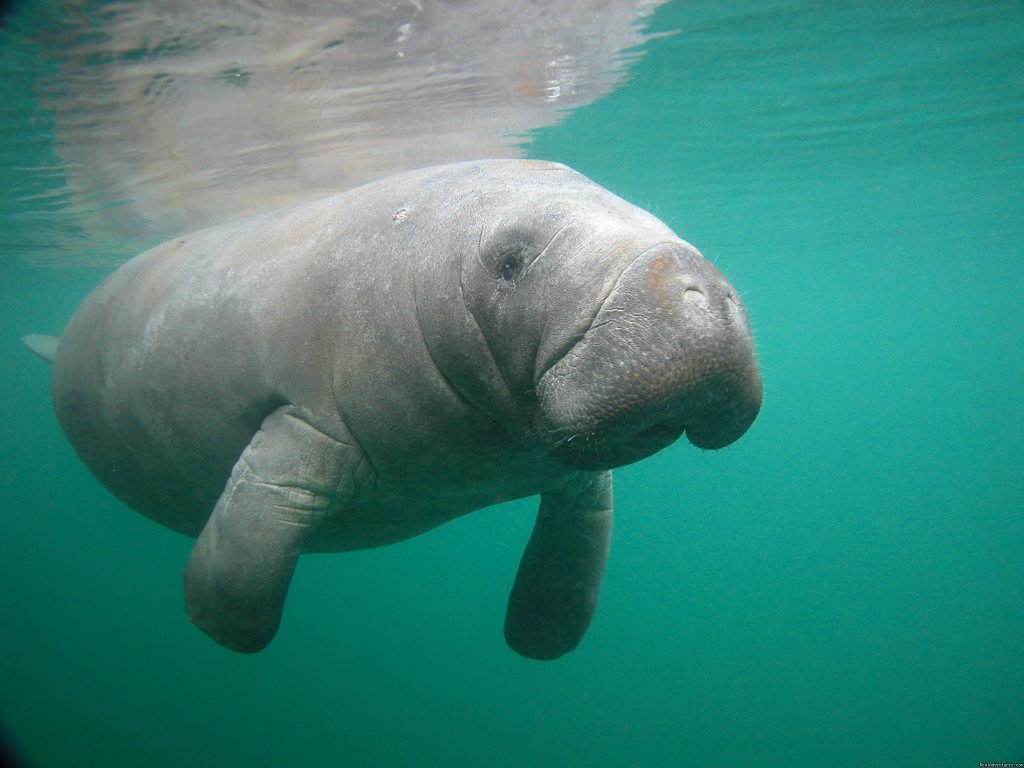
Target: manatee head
619, 335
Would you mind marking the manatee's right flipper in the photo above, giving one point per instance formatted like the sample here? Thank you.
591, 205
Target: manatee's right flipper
555, 592
286, 480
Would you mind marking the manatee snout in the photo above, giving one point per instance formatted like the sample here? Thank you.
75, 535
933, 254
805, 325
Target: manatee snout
669, 352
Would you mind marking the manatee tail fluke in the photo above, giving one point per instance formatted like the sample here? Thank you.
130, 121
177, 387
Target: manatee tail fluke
44, 346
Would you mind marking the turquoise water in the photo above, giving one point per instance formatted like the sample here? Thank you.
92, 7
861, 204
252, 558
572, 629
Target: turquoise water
843, 587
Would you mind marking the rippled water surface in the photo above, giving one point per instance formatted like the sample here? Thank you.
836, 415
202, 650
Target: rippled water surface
842, 587
169, 116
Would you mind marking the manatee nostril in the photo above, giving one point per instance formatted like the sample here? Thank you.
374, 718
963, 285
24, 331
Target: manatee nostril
695, 295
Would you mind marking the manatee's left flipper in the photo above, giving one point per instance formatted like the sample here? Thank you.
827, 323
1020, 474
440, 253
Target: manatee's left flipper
286, 480
555, 592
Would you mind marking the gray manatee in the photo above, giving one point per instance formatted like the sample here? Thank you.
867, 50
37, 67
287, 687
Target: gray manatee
354, 371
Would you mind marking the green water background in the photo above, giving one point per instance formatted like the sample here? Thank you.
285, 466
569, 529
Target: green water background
843, 587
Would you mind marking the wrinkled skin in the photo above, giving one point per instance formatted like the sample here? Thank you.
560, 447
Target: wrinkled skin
355, 371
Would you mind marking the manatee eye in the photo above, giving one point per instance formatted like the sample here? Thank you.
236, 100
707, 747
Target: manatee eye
509, 263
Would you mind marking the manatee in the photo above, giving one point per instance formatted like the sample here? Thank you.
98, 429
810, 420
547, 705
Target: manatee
357, 370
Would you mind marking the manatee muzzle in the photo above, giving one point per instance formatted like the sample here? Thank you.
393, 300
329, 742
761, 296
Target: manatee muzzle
668, 352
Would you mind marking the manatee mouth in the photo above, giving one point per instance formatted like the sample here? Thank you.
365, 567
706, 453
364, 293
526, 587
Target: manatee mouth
598, 451
660, 433
602, 451
713, 421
